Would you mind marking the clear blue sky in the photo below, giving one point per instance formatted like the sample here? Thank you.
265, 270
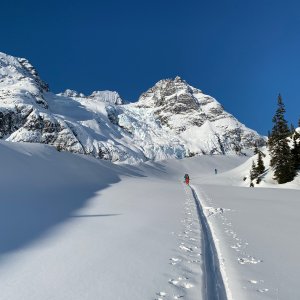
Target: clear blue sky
241, 52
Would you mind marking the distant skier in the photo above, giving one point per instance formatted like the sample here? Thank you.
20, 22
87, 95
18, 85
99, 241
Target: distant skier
216, 171
187, 179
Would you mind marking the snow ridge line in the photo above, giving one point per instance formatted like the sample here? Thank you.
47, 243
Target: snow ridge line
214, 283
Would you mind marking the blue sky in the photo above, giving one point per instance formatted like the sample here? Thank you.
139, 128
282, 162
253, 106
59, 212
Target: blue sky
241, 52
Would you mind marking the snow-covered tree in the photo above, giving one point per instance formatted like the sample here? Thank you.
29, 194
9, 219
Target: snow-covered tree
253, 171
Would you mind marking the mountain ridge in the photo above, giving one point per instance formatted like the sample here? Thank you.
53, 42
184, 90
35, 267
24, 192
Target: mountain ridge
170, 120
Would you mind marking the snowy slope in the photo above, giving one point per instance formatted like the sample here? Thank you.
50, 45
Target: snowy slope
236, 176
74, 227
172, 119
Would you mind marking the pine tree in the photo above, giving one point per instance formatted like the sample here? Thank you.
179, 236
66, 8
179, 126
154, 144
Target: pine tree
283, 162
282, 159
260, 164
280, 128
256, 151
296, 150
253, 171
297, 159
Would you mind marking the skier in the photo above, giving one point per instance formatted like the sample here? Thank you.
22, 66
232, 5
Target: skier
187, 179
216, 171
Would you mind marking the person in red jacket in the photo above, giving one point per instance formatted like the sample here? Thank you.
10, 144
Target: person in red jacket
187, 179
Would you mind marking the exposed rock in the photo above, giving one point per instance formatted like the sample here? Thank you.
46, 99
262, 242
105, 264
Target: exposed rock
171, 119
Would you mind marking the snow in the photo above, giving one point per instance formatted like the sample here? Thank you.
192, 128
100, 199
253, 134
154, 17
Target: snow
201, 139
256, 235
170, 120
74, 227
75, 234
235, 176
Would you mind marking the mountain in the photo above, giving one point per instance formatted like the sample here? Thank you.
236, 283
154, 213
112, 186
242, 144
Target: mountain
171, 119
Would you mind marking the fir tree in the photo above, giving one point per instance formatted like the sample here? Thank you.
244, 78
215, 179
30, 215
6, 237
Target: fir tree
280, 128
296, 150
260, 164
282, 159
253, 171
256, 151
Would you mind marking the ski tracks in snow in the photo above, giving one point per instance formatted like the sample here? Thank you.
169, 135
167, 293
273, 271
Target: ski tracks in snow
238, 244
196, 255
187, 259
214, 288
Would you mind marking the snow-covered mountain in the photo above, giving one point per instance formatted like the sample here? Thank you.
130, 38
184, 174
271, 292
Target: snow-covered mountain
171, 119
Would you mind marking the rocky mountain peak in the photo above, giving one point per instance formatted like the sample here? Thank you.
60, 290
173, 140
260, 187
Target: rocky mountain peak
171, 119
18, 76
174, 95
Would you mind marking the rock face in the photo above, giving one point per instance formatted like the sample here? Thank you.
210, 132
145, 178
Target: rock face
198, 119
171, 119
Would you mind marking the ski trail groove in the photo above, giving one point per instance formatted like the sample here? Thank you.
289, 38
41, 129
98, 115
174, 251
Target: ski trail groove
214, 284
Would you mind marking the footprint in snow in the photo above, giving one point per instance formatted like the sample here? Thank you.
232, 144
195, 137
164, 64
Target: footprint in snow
236, 247
248, 260
162, 294
187, 285
263, 290
178, 282
174, 260
187, 249
253, 281
173, 282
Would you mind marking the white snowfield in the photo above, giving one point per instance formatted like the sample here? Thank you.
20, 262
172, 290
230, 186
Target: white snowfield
74, 227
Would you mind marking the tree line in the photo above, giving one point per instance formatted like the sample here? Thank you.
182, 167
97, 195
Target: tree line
284, 148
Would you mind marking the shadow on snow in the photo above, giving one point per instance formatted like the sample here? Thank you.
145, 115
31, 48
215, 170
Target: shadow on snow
41, 188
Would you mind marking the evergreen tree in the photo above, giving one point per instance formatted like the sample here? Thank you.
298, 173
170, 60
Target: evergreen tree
282, 159
296, 150
253, 171
280, 128
256, 151
260, 164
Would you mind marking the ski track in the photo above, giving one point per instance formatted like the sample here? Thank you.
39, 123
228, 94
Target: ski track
196, 246
214, 284
188, 254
